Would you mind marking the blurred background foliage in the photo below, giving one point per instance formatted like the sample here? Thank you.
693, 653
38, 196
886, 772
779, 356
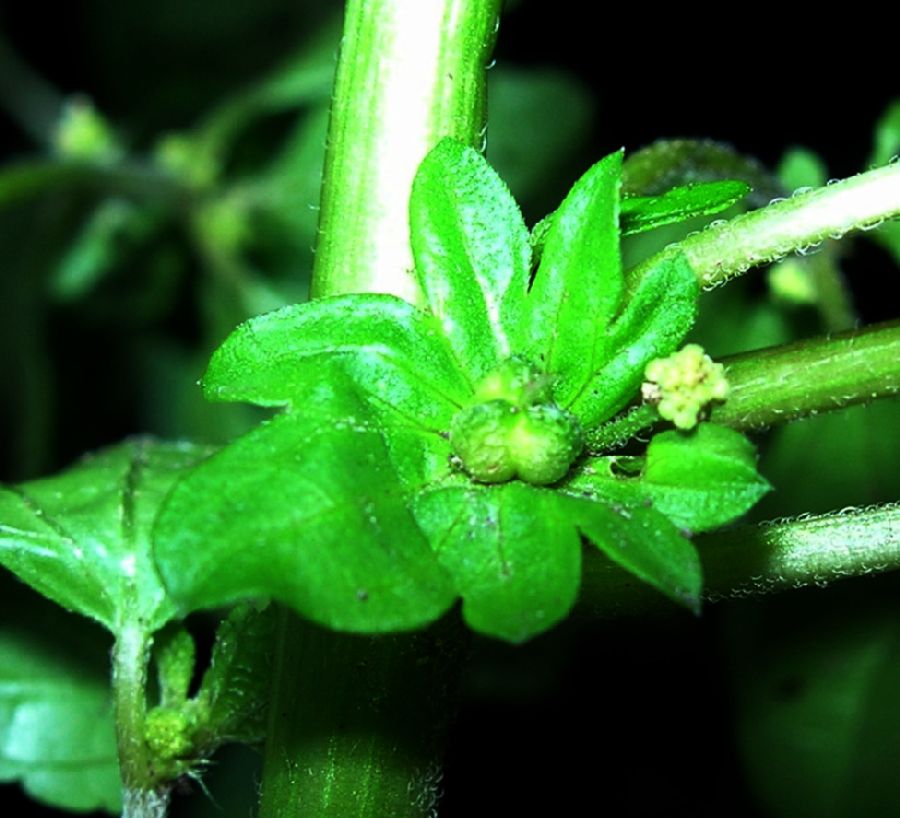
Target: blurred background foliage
161, 169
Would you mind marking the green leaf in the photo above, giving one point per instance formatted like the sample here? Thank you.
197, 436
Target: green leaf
642, 213
644, 542
82, 538
703, 479
578, 286
885, 149
513, 553
57, 735
472, 254
394, 352
653, 324
307, 509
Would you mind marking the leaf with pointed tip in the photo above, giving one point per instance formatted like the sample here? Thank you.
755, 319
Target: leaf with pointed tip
642, 213
578, 286
82, 538
57, 735
394, 352
703, 479
472, 254
514, 556
644, 542
655, 320
307, 509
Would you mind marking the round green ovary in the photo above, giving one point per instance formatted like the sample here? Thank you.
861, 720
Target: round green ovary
515, 431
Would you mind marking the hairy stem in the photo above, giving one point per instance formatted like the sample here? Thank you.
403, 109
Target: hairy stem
410, 73
765, 558
358, 722
784, 383
143, 796
726, 250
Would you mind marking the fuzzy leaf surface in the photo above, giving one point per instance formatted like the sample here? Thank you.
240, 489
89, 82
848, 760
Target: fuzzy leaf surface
513, 553
472, 254
82, 538
307, 509
578, 286
655, 321
394, 352
644, 542
703, 479
642, 213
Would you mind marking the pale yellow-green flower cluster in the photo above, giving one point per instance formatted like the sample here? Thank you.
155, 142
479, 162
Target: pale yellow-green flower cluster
684, 384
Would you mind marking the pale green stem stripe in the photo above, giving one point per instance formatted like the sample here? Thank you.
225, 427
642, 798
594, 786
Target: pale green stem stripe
727, 249
410, 73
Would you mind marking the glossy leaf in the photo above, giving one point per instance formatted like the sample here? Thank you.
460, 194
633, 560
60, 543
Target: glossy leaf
703, 479
393, 351
655, 320
57, 736
472, 254
513, 554
307, 509
642, 213
577, 288
644, 542
82, 538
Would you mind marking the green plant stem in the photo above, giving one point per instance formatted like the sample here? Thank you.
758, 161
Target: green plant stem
784, 383
761, 559
349, 734
410, 73
726, 250
358, 722
143, 796
621, 429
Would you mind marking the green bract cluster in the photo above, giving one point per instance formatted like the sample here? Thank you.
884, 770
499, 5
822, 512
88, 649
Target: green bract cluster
426, 453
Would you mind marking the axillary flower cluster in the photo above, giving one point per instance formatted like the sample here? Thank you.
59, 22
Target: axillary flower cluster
514, 429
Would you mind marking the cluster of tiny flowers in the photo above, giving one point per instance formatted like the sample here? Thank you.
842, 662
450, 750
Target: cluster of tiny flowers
684, 384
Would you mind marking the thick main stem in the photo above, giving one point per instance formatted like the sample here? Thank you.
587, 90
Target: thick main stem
410, 73
355, 720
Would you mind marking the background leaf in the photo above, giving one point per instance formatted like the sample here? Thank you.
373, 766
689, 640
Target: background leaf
577, 288
472, 254
57, 735
641, 213
82, 538
513, 554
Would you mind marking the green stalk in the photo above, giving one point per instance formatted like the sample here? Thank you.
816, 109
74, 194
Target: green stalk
142, 795
798, 224
410, 73
761, 559
784, 383
356, 721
